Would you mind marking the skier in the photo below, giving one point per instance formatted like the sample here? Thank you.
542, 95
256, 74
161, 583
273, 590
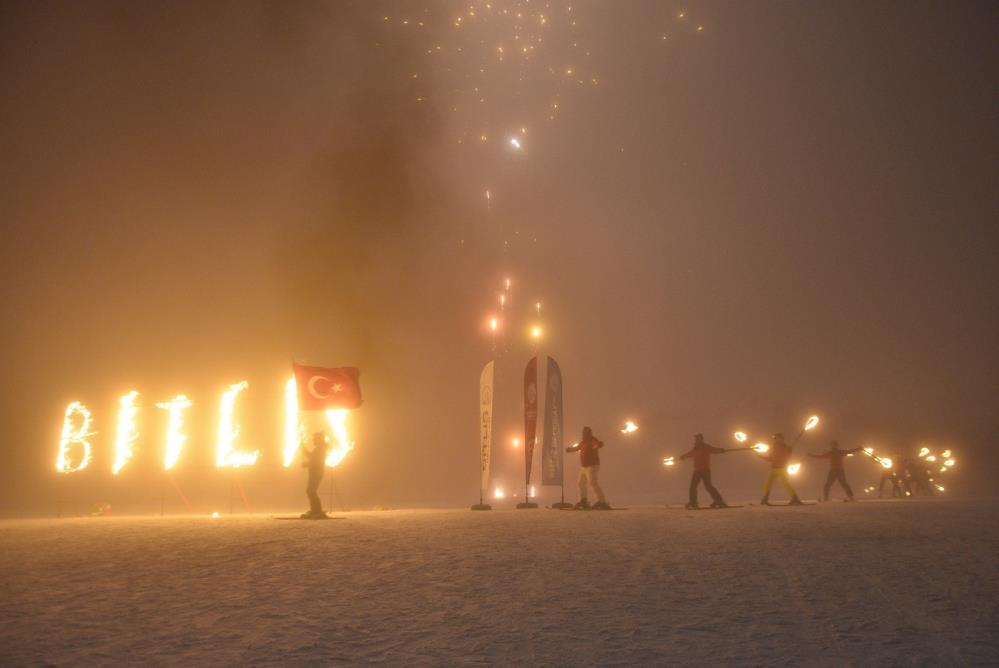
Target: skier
836, 472
778, 456
589, 461
315, 461
889, 475
701, 454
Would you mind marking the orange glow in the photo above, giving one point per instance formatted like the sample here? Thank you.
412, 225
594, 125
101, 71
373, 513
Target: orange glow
740, 436
812, 423
629, 427
337, 419
793, 469
761, 448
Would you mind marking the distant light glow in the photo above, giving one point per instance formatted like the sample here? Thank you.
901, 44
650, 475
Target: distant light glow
498, 493
812, 423
292, 425
629, 427
740, 436
793, 469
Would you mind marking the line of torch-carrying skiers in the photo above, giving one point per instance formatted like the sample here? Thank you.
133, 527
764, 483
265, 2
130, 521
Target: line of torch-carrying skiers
906, 475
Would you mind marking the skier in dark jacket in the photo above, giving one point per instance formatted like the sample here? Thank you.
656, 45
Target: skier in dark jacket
589, 462
315, 461
701, 454
836, 472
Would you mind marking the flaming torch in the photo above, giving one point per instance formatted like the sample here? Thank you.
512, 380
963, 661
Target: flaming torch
125, 439
793, 469
629, 427
74, 432
810, 424
292, 426
337, 419
669, 461
226, 454
175, 429
740, 436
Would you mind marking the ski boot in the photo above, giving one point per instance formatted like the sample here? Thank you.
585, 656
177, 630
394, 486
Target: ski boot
601, 505
582, 505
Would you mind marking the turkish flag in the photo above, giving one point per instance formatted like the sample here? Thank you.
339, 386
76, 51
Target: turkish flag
320, 388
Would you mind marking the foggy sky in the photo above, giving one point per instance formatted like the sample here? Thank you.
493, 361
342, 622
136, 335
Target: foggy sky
790, 212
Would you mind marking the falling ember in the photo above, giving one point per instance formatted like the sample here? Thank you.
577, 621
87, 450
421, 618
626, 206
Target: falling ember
740, 436
337, 419
946, 453
949, 462
792, 469
126, 434
668, 461
812, 423
629, 427
226, 454
175, 429
761, 447
292, 426
924, 451
514, 142
931, 458
498, 493
74, 434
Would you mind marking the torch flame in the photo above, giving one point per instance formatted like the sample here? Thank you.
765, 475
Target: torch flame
946, 453
125, 439
337, 418
811, 423
931, 458
761, 447
886, 462
792, 469
668, 461
923, 452
949, 462
629, 427
175, 429
226, 454
292, 425
72, 434
940, 487
869, 451
498, 493
740, 436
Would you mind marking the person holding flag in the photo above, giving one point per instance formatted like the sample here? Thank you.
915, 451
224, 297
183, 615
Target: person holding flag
701, 454
778, 456
589, 461
315, 461
836, 471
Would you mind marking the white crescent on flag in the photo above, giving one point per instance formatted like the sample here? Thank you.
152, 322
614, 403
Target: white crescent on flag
322, 388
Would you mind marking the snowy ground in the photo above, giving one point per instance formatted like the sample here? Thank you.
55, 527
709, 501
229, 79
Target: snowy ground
893, 583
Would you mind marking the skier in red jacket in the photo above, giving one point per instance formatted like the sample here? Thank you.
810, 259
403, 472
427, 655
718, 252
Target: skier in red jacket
589, 461
836, 472
701, 454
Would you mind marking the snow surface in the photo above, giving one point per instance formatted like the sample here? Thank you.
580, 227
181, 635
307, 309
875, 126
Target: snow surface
891, 583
